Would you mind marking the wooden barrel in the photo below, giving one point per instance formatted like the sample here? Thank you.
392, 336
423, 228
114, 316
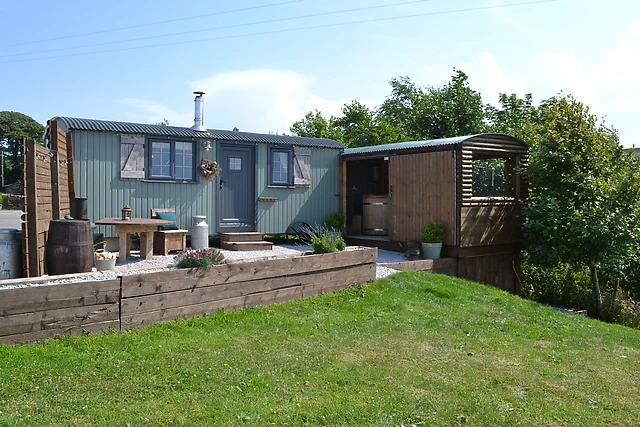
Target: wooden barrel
375, 210
69, 247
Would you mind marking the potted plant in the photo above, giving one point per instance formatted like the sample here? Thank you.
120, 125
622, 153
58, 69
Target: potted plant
431, 235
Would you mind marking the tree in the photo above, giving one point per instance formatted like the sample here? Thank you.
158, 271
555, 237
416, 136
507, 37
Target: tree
358, 124
314, 125
582, 209
163, 122
515, 117
13, 127
453, 109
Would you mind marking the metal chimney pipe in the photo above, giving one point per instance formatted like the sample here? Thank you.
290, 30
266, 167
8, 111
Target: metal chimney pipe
198, 121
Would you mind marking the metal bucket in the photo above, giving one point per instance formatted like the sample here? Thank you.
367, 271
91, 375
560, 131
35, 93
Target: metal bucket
81, 208
10, 254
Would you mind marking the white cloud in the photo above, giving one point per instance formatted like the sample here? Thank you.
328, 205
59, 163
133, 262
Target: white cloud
263, 100
620, 68
557, 72
153, 112
486, 76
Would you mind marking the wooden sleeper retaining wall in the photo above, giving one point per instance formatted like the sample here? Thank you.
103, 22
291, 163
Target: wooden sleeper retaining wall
39, 312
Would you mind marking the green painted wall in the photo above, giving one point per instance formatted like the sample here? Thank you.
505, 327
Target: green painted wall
97, 169
309, 204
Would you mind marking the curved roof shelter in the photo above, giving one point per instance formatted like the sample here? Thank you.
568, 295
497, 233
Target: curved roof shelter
489, 141
471, 184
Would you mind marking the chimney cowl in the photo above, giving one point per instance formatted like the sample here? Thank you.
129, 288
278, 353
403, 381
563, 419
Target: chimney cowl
198, 121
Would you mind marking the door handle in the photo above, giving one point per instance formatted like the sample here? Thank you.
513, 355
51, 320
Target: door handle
221, 181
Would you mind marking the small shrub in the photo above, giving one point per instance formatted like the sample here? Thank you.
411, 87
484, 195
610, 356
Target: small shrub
432, 232
335, 221
192, 258
560, 285
0, 199
325, 241
622, 308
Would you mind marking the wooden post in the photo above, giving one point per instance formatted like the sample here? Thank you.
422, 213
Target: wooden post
342, 191
71, 176
31, 204
55, 165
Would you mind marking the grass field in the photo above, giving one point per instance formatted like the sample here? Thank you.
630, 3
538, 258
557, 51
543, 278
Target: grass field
411, 350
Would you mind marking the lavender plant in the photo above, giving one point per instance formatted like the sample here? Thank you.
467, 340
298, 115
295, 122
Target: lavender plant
193, 258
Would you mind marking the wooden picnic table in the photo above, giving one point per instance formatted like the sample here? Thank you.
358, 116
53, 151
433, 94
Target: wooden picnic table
145, 226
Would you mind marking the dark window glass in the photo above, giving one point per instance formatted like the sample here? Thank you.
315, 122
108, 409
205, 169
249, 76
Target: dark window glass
172, 160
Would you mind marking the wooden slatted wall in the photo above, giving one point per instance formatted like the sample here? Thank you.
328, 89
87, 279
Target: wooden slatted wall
49, 190
490, 233
490, 221
423, 190
38, 206
61, 171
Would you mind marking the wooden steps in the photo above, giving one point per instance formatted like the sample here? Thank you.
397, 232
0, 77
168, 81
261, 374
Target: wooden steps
244, 242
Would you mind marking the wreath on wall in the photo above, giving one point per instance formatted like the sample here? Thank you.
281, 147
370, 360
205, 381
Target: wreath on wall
209, 169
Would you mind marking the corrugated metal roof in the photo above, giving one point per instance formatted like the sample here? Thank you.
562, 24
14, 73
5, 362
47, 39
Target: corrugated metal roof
421, 144
274, 139
406, 145
148, 129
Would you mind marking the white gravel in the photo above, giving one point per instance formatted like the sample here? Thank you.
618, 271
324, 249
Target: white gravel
163, 263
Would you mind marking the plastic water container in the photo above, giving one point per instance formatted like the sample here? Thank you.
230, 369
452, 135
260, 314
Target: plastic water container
199, 233
10, 254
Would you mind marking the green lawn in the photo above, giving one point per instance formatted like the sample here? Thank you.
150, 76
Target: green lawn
412, 349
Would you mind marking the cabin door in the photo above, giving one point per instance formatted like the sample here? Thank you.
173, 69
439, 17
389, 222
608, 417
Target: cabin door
236, 188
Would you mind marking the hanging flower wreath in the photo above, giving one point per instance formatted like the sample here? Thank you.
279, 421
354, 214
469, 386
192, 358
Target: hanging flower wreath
209, 169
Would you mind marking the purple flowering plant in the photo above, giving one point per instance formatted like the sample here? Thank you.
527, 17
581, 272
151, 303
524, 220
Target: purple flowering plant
193, 258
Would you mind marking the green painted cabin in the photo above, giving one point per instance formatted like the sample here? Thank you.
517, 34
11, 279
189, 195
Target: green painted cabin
267, 181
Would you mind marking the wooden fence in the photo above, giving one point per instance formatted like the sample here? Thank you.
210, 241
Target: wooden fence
49, 190
39, 312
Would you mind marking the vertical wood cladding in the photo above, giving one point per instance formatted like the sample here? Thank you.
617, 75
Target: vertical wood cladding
422, 190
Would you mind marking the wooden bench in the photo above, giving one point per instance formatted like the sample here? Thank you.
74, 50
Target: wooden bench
168, 240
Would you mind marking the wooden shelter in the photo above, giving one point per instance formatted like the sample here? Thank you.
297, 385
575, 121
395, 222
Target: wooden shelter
471, 184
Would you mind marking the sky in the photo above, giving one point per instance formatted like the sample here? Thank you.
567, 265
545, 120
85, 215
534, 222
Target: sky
264, 64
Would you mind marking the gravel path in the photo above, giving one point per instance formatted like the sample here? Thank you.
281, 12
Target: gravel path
163, 263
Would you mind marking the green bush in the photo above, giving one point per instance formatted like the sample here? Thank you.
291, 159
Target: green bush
560, 285
335, 221
326, 241
192, 258
432, 232
0, 199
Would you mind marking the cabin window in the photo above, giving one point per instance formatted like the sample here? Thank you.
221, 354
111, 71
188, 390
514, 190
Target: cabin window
172, 160
489, 178
280, 166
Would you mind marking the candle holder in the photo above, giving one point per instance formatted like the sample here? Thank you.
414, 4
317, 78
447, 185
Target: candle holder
126, 213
